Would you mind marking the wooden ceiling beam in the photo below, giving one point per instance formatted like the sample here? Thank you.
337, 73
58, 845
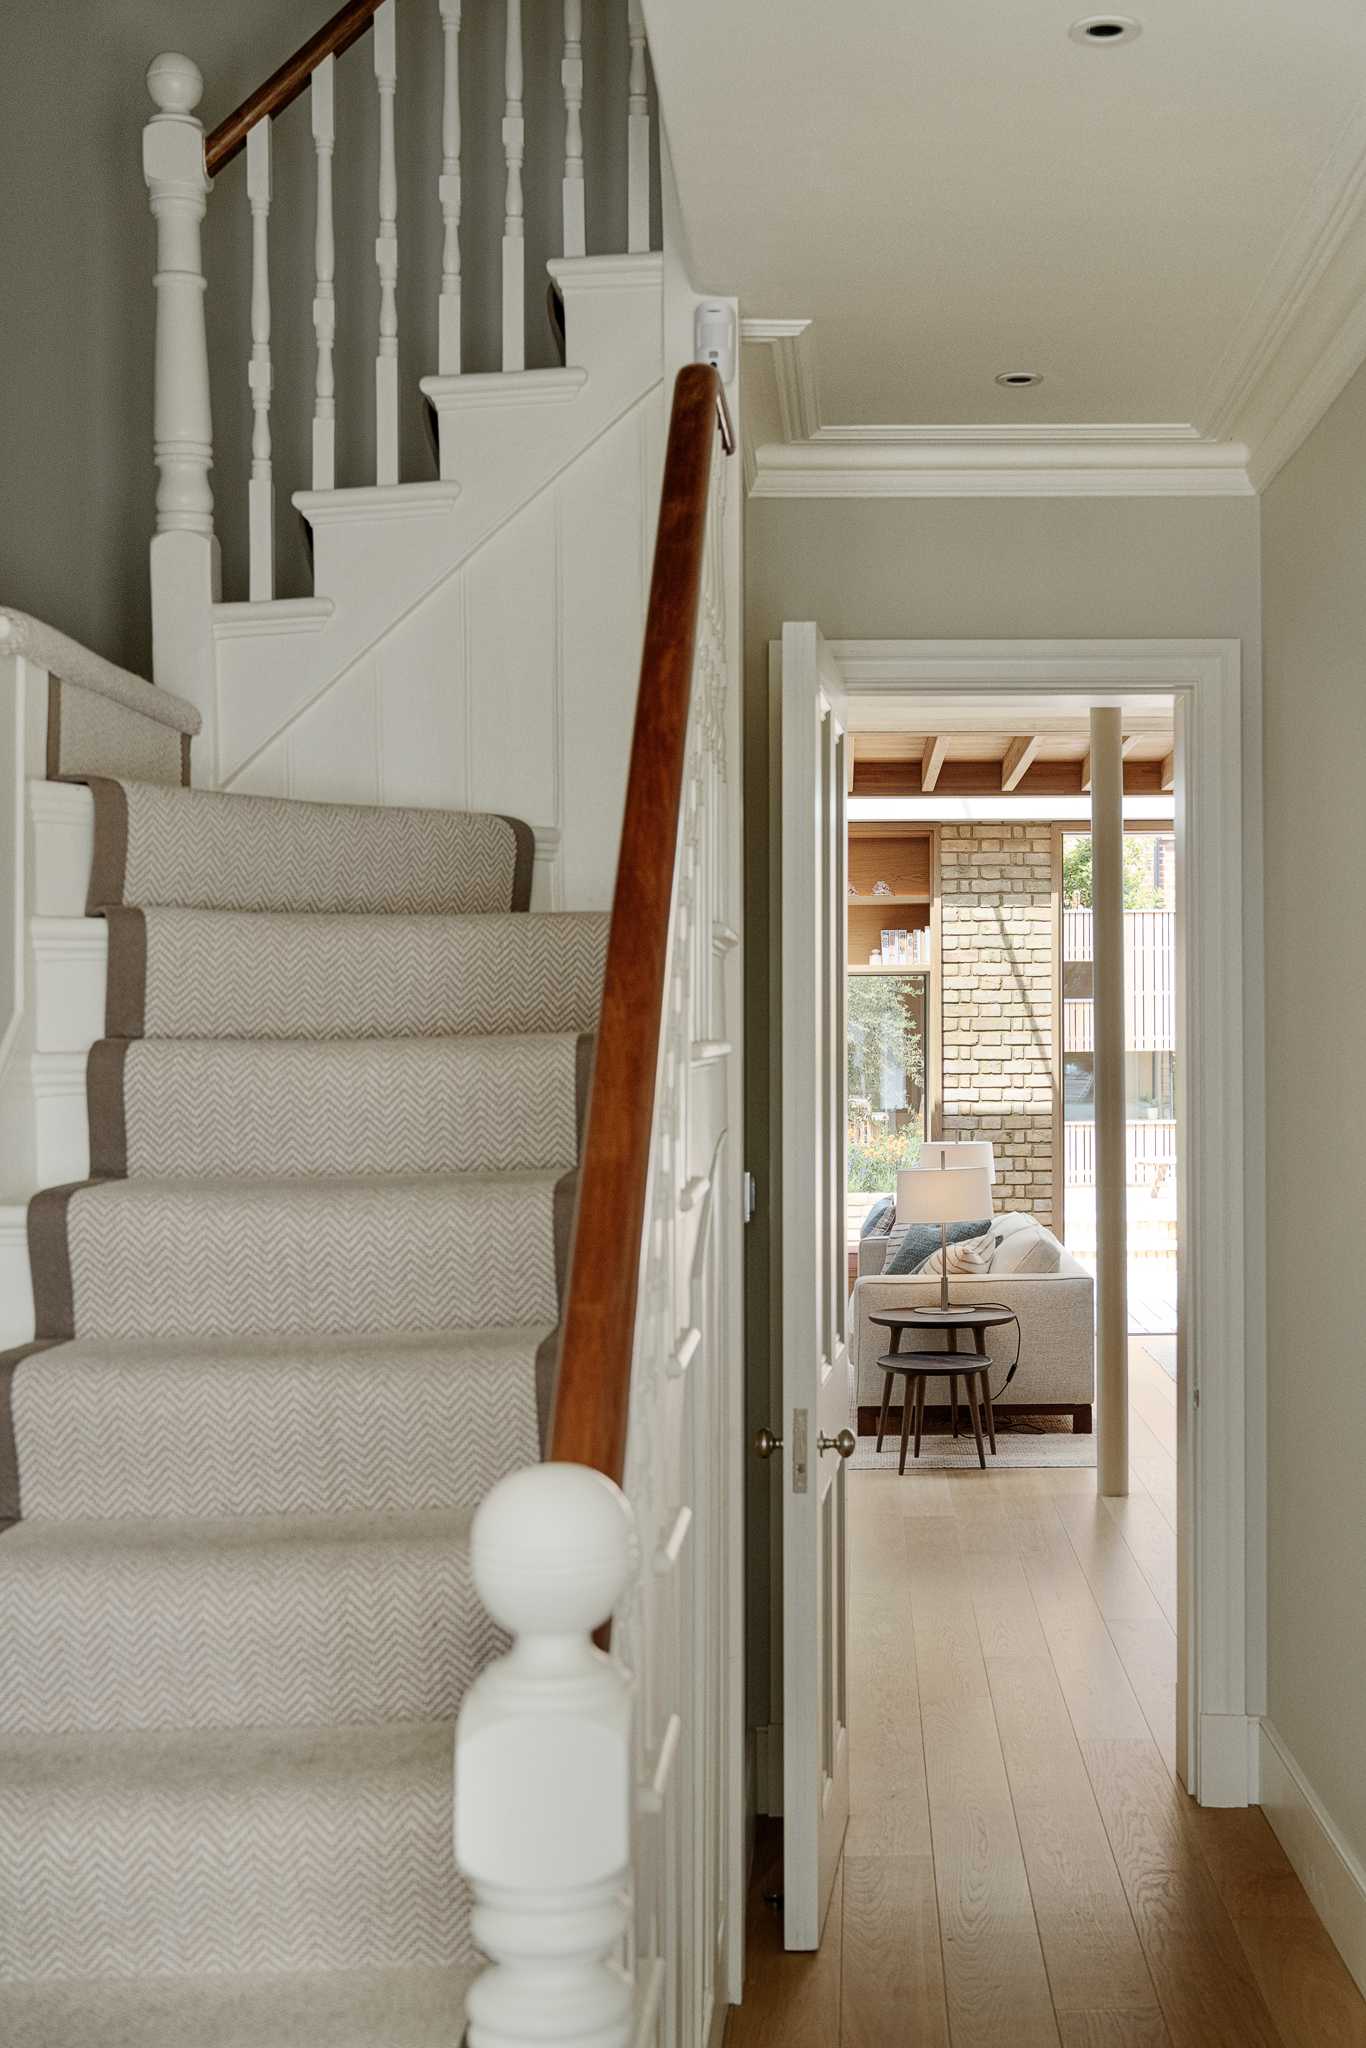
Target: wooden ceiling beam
1018, 756
931, 761
1168, 773
1126, 747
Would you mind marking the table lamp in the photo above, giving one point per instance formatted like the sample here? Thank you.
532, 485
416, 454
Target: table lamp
959, 1152
943, 1195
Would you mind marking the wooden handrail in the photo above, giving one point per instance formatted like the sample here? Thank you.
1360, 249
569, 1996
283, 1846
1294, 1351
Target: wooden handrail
593, 1384
347, 26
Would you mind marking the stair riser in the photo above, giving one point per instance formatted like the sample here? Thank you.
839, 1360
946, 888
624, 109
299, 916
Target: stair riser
331, 1434
243, 1877
16, 1280
67, 962
291, 1634
61, 841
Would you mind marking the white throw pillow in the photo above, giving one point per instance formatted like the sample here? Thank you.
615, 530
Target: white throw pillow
973, 1255
1032, 1250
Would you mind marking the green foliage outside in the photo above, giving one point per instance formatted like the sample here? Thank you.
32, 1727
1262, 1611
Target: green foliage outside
873, 1161
1140, 891
884, 1041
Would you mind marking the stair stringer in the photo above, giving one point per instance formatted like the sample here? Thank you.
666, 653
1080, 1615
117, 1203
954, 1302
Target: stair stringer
509, 683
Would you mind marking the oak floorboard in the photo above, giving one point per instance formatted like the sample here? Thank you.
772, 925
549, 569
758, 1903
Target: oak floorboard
1090, 1945
1147, 1650
1110, 1568
1100, 1699
1151, 1541
1114, 2030
1208, 1994
892, 1989
791, 2000
1307, 1987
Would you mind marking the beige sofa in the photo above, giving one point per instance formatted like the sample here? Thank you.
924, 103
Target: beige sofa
1057, 1330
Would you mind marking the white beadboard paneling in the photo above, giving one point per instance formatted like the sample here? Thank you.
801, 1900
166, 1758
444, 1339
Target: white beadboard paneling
268, 774
423, 689
510, 589
333, 756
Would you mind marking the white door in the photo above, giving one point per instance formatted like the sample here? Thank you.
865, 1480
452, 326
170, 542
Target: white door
815, 1350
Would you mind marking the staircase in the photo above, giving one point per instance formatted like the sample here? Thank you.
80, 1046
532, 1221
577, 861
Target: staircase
294, 1328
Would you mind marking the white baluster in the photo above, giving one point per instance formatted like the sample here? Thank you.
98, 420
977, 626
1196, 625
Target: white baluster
571, 78
261, 489
184, 556
543, 1766
637, 135
514, 245
448, 191
386, 253
323, 107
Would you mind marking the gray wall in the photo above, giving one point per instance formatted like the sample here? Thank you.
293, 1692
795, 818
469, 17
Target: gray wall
1314, 588
76, 250
958, 568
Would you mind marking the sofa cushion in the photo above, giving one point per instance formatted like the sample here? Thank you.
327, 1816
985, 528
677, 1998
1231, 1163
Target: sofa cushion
920, 1241
1031, 1250
880, 1217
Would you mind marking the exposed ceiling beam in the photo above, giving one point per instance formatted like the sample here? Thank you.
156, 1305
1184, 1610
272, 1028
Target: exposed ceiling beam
931, 761
1169, 772
1018, 756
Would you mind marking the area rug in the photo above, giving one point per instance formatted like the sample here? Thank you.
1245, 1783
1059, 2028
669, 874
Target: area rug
1018, 1449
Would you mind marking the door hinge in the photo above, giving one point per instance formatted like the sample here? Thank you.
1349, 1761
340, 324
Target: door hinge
749, 1196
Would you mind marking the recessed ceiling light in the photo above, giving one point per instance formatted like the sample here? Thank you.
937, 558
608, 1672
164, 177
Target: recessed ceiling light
1105, 28
1018, 380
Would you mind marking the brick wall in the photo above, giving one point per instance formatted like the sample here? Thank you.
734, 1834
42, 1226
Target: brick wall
997, 941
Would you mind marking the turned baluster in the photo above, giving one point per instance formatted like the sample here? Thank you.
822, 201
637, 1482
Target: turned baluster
637, 135
448, 191
261, 489
386, 253
323, 109
514, 245
543, 1765
571, 78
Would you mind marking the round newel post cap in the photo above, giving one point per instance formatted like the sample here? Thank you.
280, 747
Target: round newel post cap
176, 83
552, 1548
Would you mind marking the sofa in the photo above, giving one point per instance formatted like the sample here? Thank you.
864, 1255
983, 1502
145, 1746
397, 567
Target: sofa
1056, 1309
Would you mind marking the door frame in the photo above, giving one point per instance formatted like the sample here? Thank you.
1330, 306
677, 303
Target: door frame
1222, 1349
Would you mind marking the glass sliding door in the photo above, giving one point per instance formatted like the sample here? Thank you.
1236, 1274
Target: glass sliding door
888, 1041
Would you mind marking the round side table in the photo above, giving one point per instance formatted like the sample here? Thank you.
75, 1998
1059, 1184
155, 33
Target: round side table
919, 1367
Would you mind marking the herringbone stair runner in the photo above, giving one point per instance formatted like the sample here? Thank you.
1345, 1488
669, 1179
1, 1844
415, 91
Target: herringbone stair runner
297, 1324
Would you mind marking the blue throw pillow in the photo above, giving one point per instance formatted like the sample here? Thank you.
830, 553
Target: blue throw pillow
879, 1219
921, 1242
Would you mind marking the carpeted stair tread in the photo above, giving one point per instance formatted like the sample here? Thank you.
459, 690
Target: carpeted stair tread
260, 1108
265, 1621
341, 2008
278, 974
214, 1427
252, 1850
208, 849
280, 1258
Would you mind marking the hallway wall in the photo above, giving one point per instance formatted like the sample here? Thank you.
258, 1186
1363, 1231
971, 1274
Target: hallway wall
980, 568
1314, 594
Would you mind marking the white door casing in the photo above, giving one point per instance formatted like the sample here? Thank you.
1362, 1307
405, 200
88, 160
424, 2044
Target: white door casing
815, 1349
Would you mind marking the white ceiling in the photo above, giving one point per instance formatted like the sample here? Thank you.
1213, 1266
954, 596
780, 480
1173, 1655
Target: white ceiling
951, 188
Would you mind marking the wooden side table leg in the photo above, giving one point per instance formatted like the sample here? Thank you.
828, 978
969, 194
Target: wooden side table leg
920, 1385
953, 1401
984, 1374
905, 1423
970, 1389
886, 1405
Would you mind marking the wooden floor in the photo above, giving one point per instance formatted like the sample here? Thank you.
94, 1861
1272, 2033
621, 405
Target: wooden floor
1021, 1869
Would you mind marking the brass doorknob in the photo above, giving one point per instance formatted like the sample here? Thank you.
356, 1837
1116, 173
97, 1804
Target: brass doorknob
846, 1443
765, 1443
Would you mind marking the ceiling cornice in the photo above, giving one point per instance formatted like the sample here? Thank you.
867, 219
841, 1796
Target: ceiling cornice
1062, 467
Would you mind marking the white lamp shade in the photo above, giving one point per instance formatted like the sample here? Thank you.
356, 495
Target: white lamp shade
960, 1152
954, 1194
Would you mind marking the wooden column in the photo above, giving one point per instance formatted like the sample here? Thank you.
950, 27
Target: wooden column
1107, 946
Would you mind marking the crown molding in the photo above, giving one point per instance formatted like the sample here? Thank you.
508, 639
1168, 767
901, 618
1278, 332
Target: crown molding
794, 368
1056, 468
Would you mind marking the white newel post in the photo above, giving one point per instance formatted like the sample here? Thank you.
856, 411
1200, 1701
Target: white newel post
448, 192
571, 78
543, 1770
514, 242
386, 252
184, 555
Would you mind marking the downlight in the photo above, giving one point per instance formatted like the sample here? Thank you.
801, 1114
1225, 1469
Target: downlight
1019, 380
1105, 29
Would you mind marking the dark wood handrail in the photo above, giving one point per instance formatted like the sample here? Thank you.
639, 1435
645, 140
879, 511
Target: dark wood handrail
347, 26
593, 1385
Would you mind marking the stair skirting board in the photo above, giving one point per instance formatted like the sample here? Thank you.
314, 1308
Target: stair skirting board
61, 841
1330, 1872
16, 1284
69, 956
61, 1123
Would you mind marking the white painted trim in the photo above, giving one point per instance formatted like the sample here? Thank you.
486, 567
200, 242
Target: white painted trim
245, 620
1223, 1342
1326, 1866
501, 387
794, 369
606, 274
375, 501
1012, 433
1002, 469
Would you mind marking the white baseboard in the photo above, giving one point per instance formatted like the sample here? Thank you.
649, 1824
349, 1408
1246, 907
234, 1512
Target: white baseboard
1228, 1760
1327, 1868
